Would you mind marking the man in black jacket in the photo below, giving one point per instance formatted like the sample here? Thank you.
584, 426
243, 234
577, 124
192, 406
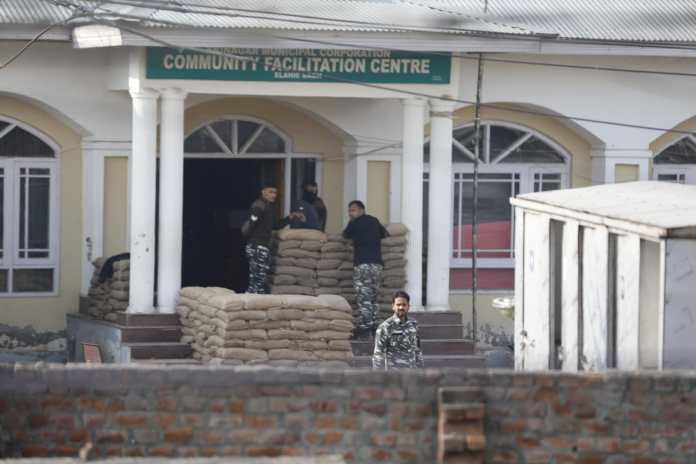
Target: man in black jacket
263, 220
310, 191
367, 233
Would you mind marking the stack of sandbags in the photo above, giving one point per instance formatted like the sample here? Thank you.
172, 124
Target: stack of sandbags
394, 274
296, 257
281, 330
110, 296
335, 268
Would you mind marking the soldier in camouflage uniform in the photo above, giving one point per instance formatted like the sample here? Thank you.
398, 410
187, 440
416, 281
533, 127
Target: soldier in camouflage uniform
397, 343
263, 219
367, 234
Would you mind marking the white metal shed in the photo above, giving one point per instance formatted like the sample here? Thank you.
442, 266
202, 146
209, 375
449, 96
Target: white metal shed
605, 277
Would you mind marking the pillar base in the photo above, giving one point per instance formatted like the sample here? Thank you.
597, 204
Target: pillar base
436, 308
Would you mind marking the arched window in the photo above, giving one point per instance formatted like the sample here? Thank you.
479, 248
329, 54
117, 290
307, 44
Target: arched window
236, 137
677, 162
512, 160
28, 211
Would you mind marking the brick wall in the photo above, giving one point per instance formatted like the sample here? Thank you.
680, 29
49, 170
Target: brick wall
364, 416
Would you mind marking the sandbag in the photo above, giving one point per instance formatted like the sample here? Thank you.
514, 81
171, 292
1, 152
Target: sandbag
302, 234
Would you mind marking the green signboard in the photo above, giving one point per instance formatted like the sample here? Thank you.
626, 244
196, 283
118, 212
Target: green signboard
300, 65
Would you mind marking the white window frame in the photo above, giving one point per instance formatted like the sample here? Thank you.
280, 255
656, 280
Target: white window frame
287, 156
526, 172
10, 260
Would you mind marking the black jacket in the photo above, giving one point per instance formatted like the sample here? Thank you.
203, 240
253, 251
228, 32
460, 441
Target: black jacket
367, 234
264, 220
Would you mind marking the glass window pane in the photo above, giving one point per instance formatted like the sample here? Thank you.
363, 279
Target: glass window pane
303, 170
681, 152
534, 151
4, 284
32, 280
20, 143
245, 129
201, 142
544, 182
267, 142
2, 211
39, 202
502, 138
22, 212
224, 130
494, 219
677, 178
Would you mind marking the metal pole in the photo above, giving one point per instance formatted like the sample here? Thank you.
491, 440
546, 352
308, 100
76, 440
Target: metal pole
474, 219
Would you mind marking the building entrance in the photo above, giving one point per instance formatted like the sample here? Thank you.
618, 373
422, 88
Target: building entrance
217, 196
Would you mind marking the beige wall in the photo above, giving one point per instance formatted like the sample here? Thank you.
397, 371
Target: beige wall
626, 173
115, 205
308, 136
48, 313
492, 325
378, 175
579, 149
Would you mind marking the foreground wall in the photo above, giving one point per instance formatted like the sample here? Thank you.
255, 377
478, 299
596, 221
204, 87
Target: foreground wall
364, 416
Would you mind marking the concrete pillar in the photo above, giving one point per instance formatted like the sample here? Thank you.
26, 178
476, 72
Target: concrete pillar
142, 193
440, 205
412, 195
171, 197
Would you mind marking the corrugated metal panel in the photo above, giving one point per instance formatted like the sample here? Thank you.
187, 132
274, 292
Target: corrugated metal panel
633, 20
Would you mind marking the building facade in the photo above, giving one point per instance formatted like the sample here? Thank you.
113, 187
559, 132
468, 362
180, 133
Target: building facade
114, 140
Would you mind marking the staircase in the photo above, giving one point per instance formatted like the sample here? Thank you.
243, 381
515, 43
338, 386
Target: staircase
152, 336
442, 342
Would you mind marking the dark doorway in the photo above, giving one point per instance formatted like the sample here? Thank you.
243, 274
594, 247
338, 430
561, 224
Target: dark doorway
217, 196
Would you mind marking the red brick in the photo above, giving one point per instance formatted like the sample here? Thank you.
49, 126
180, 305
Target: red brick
260, 422
292, 452
180, 435
384, 439
94, 421
645, 460
312, 438
166, 404
527, 442
216, 406
611, 445
113, 451
91, 404
165, 420
131, 421
53, 437
332, 438
348, 423
193, 420
235, 407
64, 422
4, 406
207, 452
162, 451
243, 436
407, 455
376, 409
545, 394
109, 437
512, 426
367, 393
381, 455
210, 437
325, 422
269, 452
323, 406
635, 446
36, 421
79, 436
31, 451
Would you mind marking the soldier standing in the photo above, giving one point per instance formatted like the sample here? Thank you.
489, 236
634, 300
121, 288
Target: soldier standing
367, 233
397, 343
258, 230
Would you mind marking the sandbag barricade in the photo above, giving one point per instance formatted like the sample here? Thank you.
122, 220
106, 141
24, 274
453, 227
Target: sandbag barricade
107, 298
332, 273
277, 330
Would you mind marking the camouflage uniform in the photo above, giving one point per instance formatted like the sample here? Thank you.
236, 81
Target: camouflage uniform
397, 345
367, 279
259, 258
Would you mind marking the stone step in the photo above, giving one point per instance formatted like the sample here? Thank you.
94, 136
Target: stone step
436, 317
429, 347
469, 361
440, 331
147, 320
165, 350
154, 334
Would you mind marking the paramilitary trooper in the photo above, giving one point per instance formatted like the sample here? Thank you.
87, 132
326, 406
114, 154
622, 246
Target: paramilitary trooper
397, 343
367, 233
258, 229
